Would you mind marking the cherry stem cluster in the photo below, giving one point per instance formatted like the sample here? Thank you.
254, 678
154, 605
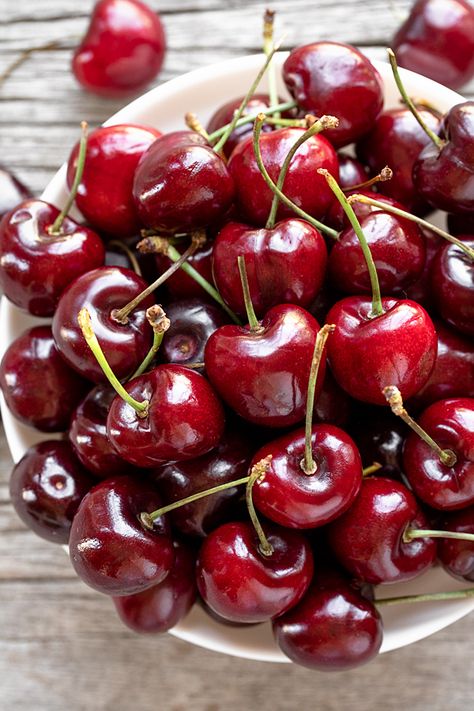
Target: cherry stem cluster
55, 229
251, 315
250, 118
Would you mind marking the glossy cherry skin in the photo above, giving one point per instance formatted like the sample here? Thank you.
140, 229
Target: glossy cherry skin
88, 435
292, 498
36, 267
351, 171
181, 184
123, 49
437, 40
445, 177
180, 285
452, 283
105, 193
285, 264
421, 291
39, 388
333, 628
161, 607
396, 140
12, 191
333, 405
368, 539
457, 556
398, 250
303, 184
368, 354
241, 584
110, 549
193, 321
263, 376
335, 79
185, 418
379, 436
46, 487
451, 424
124, 345
226, 462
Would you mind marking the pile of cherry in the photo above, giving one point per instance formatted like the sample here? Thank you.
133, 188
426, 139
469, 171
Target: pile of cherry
259, 228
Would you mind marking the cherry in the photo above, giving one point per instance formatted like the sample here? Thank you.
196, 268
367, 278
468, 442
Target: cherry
379, 437
110, 549
12, 191
369, 540
452, 284
285, 264
103, 291
242, 584
180, 285
351, 171
421, 290
334, 78
437, 40
181, 184
162, 606
457, 556
105, 192
39, 388
123, 49
333, 406
88, 435
46, 487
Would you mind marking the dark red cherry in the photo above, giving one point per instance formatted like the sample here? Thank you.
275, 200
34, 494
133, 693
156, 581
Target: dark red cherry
46, 487
105, 192
36, 266
396, 140
88, 435
303, 184
351, 171
263, 375
39, 388
452, 284
457, 556
398, 250
333, 628
368, 540
110, 549
12, 191
285, 264
421, 290
444, 177
335, 79
185, 419
437, 40
292, 498
226, 462
123, 49
242, 584
333, 405
125, 345
379, 437
451, 424
161, 607
180, 285
368, 353
181, 184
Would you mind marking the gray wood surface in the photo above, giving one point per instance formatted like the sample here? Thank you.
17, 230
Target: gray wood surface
61, 646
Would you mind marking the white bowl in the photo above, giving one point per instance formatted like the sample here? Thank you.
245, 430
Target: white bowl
202, 91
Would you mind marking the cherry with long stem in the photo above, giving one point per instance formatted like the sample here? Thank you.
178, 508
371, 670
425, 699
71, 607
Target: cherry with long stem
250, 118
385, 174
55, 229
160, 323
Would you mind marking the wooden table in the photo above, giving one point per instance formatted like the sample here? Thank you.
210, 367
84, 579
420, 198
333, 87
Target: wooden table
61, 647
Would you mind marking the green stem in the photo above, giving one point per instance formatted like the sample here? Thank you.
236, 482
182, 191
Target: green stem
55, 229
308, 465
377, 309
374, 467
84, 319
274, 188
268, 23
257, 473
320, 125
412, 533
159, 322
439, 143
250, 118
251, 315
427, 597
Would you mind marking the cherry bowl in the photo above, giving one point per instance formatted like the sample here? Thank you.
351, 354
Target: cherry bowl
164, 107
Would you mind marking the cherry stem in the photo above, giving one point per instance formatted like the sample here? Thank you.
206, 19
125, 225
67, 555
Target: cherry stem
257, 473
268, 24
439, 143
394, 398
384, 175
84, 320
250, 118
412, 533
251, 315
25, 54
275, 189
55, 229
427, 597
377, 309
374, 467
222, 141
319, 125
307, 464
160, 323
413, 218
118, 244
193, 123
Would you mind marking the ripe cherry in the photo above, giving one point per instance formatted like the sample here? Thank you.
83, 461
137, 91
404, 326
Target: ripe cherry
452, 284
351, 171
457, 556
